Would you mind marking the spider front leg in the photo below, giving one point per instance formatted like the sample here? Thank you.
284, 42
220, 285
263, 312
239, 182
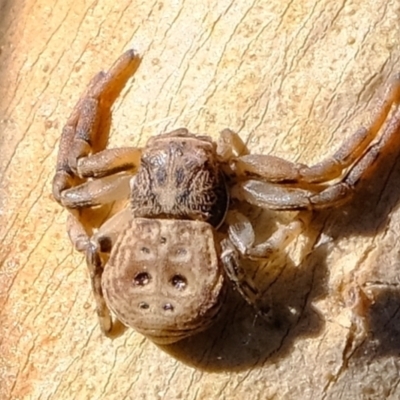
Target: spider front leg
282, 185
241, 242
87, 129
87, 174
276, 170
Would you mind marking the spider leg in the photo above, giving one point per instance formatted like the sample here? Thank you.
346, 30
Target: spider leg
277, 170
97, 192
106, 186
87, 129
82, 154
284, 197
97, 249
88, 174
96, 267
241, 234
241, 242
230, 145
243, 283
276, 183
97, 252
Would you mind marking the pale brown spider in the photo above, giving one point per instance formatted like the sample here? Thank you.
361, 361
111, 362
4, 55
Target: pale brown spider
160, 263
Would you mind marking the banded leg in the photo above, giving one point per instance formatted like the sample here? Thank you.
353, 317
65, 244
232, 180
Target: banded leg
282, 185
87, 129
284, 197
82, 154
275, 169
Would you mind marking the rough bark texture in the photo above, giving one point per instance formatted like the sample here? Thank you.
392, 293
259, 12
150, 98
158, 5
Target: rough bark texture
293, 78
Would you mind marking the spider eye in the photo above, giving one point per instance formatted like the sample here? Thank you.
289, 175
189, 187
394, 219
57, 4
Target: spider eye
145, 250
144, 306
168, 307
141, 279
179, 282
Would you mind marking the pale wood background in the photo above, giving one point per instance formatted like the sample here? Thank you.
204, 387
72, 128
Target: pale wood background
293, 78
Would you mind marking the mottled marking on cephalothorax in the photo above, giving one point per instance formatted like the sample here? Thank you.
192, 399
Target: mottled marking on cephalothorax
180, 178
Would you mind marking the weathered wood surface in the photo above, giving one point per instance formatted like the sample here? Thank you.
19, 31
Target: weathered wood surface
294, 79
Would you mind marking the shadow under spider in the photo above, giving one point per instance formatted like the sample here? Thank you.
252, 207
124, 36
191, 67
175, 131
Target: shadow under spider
384, 325
382, 322
240, 339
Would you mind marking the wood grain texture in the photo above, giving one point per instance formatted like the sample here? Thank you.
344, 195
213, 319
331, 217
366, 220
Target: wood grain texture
293, 78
